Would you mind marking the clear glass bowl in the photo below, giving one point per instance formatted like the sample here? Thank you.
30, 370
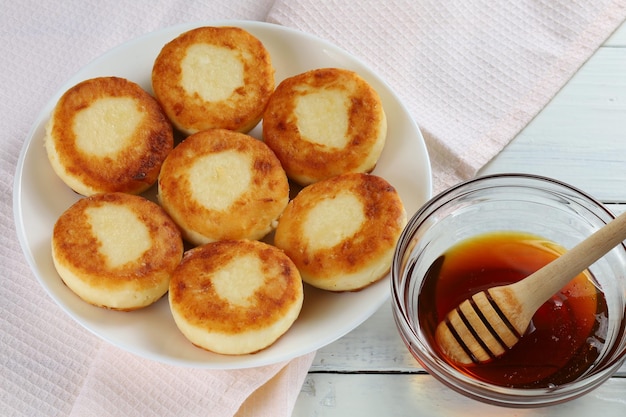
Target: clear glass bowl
514, 202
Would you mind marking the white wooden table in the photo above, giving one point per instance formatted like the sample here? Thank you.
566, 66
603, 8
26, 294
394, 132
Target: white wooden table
579, 138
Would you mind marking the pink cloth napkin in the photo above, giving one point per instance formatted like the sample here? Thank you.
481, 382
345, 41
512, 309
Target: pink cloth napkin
472, 73
120, 384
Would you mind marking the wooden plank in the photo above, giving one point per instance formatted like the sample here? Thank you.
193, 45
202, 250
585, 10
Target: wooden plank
580, 137
341, 395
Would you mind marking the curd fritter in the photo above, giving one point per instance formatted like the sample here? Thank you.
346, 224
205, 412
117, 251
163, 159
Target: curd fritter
213, 77
219, 184
116, 250
235, 296
323, 123
341, 232
107, 134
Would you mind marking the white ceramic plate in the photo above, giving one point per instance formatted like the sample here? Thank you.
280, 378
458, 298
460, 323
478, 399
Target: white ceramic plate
40, 197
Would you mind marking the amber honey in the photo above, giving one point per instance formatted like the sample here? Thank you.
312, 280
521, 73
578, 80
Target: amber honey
565, 335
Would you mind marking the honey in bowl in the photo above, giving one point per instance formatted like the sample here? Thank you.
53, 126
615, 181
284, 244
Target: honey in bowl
565, 335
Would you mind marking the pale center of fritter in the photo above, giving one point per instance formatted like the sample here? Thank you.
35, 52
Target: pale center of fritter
212, 72
218, 180
333, 220
107, 126
322, 117
239, 279
122, 235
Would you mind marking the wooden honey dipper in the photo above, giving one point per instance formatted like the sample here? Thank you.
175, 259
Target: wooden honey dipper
489, 323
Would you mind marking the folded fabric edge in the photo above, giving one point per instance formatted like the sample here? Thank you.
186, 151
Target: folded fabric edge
283, 388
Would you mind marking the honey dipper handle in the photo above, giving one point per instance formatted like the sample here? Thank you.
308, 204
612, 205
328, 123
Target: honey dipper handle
541, 285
